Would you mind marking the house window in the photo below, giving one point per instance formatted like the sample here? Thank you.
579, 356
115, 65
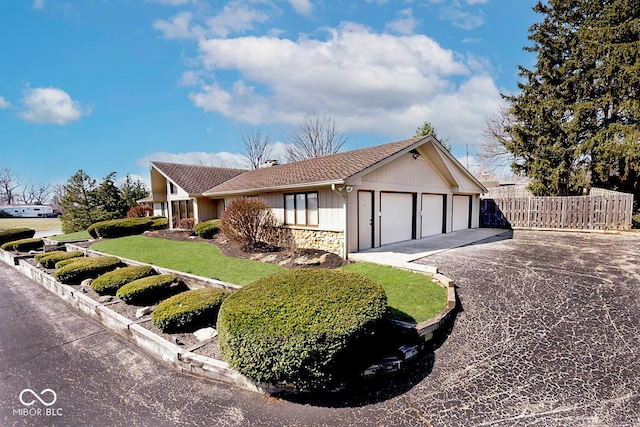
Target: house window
172, 188
301, 208
182, 209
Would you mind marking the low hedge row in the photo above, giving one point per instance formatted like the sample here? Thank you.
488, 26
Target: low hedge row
23, 245
189, 310
308, 329
207, 229
50, 259
110, 282
148, 289
84, 268
14, 234
126, 226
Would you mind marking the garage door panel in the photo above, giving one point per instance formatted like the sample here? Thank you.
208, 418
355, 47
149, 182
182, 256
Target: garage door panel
396, 223
461, 212
432, 214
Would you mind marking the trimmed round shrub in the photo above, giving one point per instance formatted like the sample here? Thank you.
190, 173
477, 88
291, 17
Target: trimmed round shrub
85, 268
125, 226
635, 220
14, 234
110, 282
66, 262
307, 329
23, 245
148, 289
50, 259
207, 229
189, 310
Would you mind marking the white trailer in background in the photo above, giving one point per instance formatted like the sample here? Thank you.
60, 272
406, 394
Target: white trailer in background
28, 211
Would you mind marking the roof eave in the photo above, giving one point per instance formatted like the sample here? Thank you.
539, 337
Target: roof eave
451, 157
276, 188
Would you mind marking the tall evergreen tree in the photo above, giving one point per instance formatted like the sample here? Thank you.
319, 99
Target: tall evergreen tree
131, 191
109, 199
78, 203
577, 113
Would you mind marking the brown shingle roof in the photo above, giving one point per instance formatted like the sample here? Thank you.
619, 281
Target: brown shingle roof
196, 179
335, 167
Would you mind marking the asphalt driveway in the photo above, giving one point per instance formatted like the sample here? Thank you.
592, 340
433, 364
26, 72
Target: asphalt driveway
548, 335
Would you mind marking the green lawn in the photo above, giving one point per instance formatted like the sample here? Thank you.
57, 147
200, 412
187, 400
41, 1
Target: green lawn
412, 297
199, 258
78, 235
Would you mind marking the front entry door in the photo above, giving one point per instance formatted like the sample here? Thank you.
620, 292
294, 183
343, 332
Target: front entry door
365, 220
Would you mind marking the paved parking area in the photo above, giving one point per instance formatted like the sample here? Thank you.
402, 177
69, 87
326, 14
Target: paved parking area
548, 335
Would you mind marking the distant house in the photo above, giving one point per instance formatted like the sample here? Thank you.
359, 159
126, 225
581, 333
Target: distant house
345, 202
27, 211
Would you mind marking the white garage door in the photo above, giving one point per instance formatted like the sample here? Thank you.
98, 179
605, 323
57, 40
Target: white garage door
432, 205
461, 212
396, 223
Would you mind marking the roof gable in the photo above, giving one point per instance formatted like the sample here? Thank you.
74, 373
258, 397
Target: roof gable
195, 179
334, 168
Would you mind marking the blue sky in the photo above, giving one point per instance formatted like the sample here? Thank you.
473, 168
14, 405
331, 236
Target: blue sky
107, 85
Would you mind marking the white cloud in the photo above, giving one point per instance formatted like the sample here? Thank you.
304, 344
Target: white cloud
235, 17
38, 4
190, 78
404, 24
51, 105
463, 19
457, 12
303, 7
371, 82
179, 27
4, 104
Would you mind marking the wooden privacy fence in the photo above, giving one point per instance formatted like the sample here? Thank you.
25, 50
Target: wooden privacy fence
608, 212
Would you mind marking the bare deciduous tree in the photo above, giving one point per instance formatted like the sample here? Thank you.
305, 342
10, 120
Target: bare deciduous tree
8, 184
36, 194
315, 136
493, 152
256, 147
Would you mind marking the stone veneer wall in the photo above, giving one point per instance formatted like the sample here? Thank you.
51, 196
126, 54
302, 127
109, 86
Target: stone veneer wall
330, 241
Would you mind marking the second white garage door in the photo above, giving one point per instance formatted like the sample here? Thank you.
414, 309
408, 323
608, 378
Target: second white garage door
461, 206
432, 209
396, 223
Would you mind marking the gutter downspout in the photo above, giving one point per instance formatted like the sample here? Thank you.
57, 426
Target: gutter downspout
341, 191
